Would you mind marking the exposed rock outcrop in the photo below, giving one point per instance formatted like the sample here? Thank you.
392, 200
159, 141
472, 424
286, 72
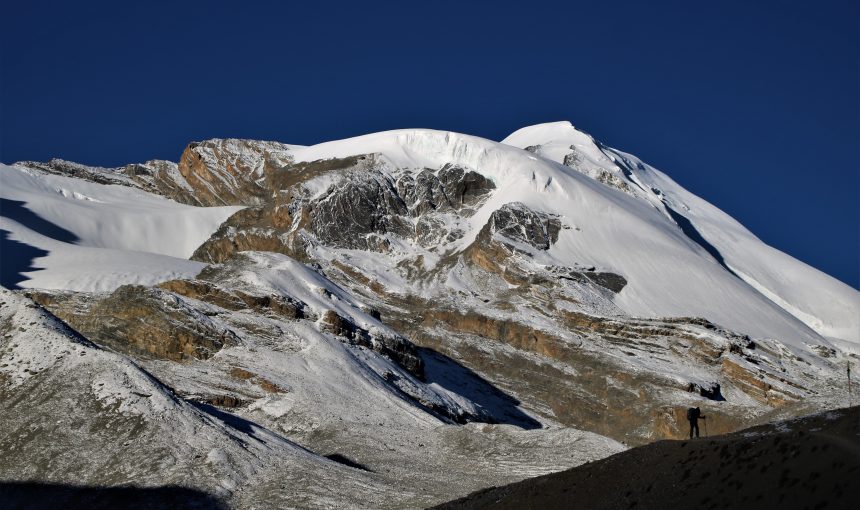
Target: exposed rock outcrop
520, 224
586, 374
209, 173
394, 347
577, 162
359, 209
142, 320
233, 299
88, 173
231, 171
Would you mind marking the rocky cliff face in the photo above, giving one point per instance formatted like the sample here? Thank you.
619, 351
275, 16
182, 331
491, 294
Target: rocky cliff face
209, 173
619, 377
360, 205
142, 321
518, 223
232, 172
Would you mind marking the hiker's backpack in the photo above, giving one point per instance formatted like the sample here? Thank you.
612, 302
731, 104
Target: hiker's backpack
690, 413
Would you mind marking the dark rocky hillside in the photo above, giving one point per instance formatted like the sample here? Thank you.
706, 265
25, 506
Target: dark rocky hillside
807, 463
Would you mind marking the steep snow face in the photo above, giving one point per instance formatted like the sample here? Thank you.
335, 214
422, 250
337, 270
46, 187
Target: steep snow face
823, 303
69, 233
627, 232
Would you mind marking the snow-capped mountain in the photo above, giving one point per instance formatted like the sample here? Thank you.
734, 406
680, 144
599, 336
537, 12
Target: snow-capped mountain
823, 303
434, 311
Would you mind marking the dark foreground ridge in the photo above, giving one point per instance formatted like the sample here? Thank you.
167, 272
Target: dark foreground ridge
38, 496
811, 462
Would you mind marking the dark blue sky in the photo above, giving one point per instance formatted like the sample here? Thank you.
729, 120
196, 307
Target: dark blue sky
754, 106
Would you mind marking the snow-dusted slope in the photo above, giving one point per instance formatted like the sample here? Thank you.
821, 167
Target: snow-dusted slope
69, 233
327, 371
341, 400
102, 413
668, 273
825, 304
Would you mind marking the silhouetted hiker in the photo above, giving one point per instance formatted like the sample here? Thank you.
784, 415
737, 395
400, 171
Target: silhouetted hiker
693, 415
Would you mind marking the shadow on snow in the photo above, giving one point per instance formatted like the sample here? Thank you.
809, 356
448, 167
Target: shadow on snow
498, 406
16, 258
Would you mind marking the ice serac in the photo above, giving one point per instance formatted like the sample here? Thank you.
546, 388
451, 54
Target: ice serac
824, 304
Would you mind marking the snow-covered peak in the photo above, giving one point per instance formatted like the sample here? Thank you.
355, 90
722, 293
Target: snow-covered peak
427, 148
632, 234
824, 304
548, 132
